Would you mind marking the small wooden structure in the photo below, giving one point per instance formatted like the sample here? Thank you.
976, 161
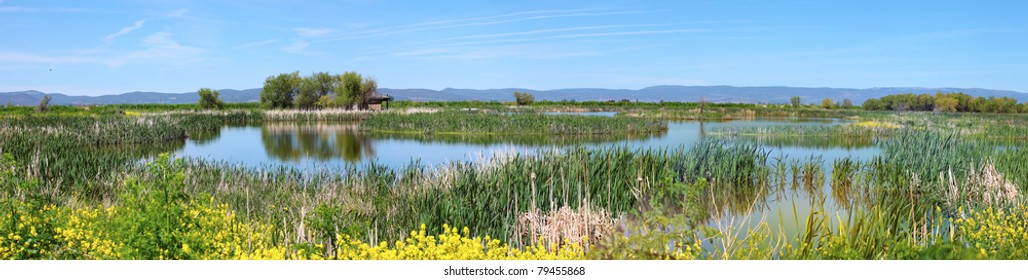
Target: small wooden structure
377, 100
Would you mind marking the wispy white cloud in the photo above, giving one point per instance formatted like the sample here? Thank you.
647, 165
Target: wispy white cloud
15, 9
17, 57
305, 34
420, 52
518, 51
256, 43
313, 32
177, 13
298, 47
474, 44
478, 21
355, 25
477, 49
160, 47
450, 22
124, 30
627, 33
539, 31
579, 35
22, 9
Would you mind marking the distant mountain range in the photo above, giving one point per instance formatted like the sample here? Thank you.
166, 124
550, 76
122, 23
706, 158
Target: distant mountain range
651, 94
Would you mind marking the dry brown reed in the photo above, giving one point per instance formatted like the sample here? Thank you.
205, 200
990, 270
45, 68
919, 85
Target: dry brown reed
565, 225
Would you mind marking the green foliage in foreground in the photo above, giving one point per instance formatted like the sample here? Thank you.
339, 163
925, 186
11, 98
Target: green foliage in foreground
160, 218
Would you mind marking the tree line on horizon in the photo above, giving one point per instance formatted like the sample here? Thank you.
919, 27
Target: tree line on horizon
945, 102
826, 103
324, 90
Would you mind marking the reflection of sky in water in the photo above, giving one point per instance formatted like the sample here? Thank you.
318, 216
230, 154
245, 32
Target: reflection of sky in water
316, 146
253, 146
234, 145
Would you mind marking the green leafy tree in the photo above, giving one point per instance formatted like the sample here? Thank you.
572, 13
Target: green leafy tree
976, 104
873, 104
313, 89
827, 103
795, 101
946, 104
523, 98
1005, 105
319, 86
368, 88
324, 83
325, 102
846, 103
280, 90
348, 89
209, 99
307, 96
924, 102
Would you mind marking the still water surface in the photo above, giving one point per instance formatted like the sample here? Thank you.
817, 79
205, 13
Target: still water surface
327, 145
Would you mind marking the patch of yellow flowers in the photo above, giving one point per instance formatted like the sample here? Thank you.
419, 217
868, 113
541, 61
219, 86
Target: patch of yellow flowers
876, 124
53, 233
19, 236
451, 245
214, 233
83, 239
995, 233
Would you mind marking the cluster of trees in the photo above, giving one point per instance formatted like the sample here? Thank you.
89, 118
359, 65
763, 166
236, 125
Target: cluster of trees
827, 103
209, 99
945, 102
319, 90
523, 98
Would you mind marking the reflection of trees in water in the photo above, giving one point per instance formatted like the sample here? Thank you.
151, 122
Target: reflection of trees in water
723, 201
201, 137
319, 141
517, 139
140, 150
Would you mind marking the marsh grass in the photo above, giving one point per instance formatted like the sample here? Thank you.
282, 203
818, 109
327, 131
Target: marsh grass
535, 140
470, 122
938, 189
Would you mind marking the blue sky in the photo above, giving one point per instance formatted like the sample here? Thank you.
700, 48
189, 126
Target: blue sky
110, 47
